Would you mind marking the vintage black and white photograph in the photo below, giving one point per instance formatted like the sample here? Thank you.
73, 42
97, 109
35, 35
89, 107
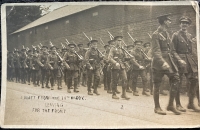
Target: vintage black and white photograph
100, 65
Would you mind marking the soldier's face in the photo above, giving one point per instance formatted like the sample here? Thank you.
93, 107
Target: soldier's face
184, 25
167, 22
119, 42
81, 47
72, 48
54, 50
138, 45
44, 49
94, 45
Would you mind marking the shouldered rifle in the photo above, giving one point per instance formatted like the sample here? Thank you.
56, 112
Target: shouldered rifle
65, 63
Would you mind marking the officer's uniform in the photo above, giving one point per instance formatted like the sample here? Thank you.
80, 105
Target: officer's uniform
161, 53
72, 74
93, 59
182, 43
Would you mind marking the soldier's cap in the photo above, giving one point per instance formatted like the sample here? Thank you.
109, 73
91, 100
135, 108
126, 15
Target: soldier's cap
53, 47
23, 49
146, 43
64, 49
111, 41
138, 41
80, 44
44, 47
130, 46
72, 45
106, 46
164, 17
91, 42
29, 50
118, 37
185, 19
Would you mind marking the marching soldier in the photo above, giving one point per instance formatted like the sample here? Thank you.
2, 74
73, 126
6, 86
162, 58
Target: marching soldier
28, 62
93, 58
163, 64
64, 50
138, 53
117, 57
10, 68
73, 59
17, 65
82, 75
44, 69
23, 58
182, 43
107, 71
35, 65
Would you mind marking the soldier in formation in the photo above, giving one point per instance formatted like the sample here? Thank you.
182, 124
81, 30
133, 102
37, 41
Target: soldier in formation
120, 63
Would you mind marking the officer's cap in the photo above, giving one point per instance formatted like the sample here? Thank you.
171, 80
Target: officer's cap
44, 47
118, 37
164, 17
185, 19
91, 42
53, 47
29, 50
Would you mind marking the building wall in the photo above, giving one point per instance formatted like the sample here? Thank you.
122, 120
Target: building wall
118, 19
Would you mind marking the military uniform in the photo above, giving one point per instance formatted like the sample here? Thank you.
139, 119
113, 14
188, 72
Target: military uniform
35, 65
182, 43
107, 71
29, 69
72, 74
82, 74
44, 69
163, 64
17, 65
23, 58
136, 71
10, 66
93, 59
117, 57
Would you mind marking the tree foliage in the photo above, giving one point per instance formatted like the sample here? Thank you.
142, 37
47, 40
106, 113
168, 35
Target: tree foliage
20, 16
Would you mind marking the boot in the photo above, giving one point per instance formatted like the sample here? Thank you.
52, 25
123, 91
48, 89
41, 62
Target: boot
170, 106
52, 87
145, 93
109, 91
117, 91
157, 108
128, 90
163, 93
135, 93
76, 91
178, 103
90, 93
115, 97
124, 94
68, 90
76, 85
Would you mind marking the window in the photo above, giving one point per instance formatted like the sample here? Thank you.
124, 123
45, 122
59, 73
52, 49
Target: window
30, 32
95, 14
46, 27
67, 21
18, 35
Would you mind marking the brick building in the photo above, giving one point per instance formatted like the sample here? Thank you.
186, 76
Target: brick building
70, 21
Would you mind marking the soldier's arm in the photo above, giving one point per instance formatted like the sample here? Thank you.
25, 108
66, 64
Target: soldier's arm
39, 60
173, 44
87, 60
48, 62
133, 60
156, 52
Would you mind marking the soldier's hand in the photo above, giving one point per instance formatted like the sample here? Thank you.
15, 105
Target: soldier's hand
51, 68
42, 65
141, 67
165, 66
117, 64
91, 68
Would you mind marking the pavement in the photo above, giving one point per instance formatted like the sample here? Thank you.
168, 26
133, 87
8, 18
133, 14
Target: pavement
29, 106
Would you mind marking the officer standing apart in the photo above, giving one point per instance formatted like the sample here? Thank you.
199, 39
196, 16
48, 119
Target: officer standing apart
163, 64
93, 59
182, 42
